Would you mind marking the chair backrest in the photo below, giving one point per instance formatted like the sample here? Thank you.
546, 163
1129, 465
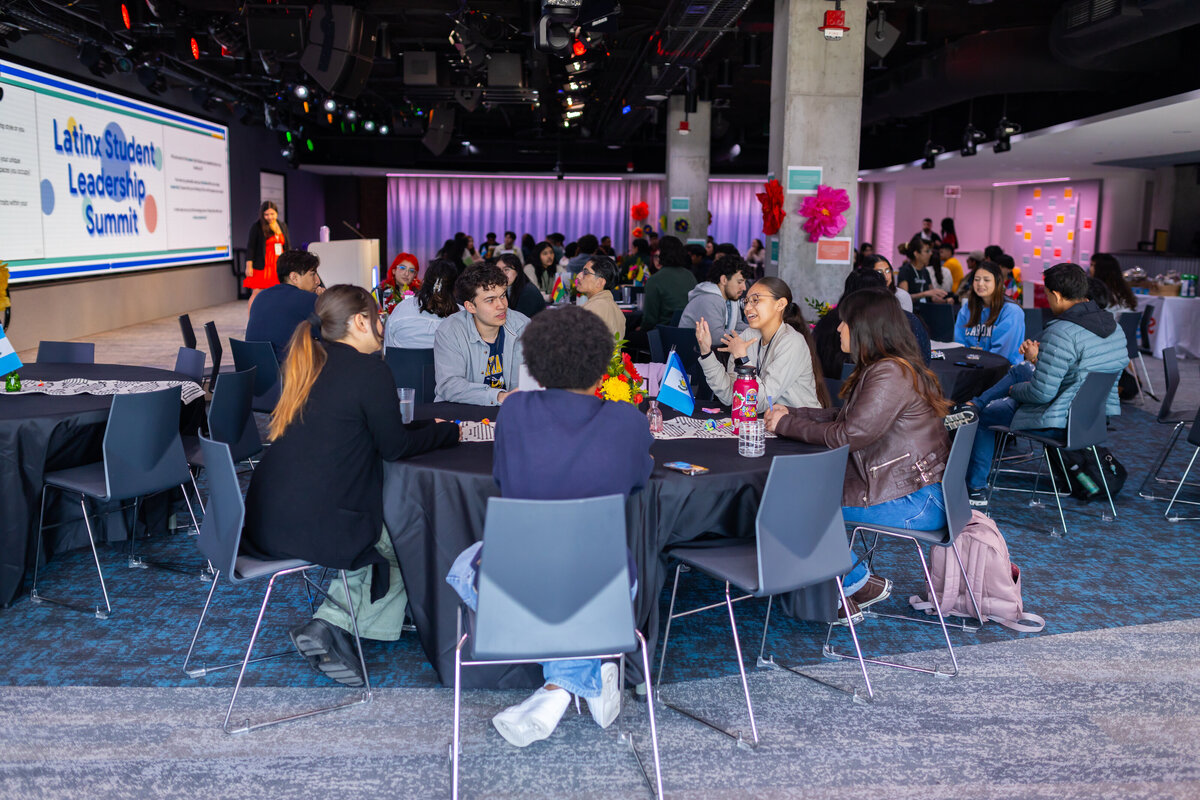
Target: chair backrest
1129, 322
1033, 323
1194, 434
801, 534
143, 453
554, 580
1144, 327
1087, 424
684, 342
413, 369
847, 369
1171, 373
676, 316
938, 318
954, 479
191, 363
261, 356
225, 512
215, 351
230, 420
834, 386
658, 353
189, 333
66, 352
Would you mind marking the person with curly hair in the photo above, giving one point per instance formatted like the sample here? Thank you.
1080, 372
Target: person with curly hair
477, 352
561, 444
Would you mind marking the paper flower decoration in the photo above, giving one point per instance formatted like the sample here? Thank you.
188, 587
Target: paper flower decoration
824, 212
637, 233
772, 207
640, 211
681, 225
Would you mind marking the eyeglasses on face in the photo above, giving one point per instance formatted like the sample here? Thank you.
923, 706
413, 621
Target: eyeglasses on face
755, 299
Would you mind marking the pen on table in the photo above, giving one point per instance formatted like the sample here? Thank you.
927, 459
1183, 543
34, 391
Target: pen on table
770, 404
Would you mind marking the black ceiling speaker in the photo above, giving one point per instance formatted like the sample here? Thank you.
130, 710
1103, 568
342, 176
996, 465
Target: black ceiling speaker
341, 49
441, 129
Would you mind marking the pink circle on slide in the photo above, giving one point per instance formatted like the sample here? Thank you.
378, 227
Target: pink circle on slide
151, 213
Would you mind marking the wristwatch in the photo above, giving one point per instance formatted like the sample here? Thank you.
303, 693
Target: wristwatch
741, 362
705, 355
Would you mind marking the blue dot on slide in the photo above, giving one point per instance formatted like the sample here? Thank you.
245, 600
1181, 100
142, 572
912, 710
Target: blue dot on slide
113, 167
47, 197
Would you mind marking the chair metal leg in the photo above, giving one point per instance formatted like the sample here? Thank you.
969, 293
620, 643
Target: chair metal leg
1146, 372
854, 637
39, 598
363, 695
658, 782
457, 714
199, 499
1182, 479
662, 657
1153, 474
737, 645
205, 572
1054, 484
362, 661
1104, 481
763, 647
199, 624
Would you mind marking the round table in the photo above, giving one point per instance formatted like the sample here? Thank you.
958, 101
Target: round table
966, 372
40, 433
435, 503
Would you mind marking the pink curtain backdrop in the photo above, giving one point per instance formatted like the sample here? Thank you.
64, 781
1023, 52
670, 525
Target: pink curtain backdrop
426, 210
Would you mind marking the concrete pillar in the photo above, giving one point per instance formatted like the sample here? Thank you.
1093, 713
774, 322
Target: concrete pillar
816, 112
687, 167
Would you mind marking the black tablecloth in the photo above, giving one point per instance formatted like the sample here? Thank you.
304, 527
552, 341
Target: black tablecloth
967, 372
434, 508
41, 433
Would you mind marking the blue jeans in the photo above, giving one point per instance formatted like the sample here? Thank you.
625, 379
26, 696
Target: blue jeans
923, 510
995, 408
579, 676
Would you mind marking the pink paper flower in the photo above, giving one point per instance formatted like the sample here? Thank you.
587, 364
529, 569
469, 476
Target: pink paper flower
824, 212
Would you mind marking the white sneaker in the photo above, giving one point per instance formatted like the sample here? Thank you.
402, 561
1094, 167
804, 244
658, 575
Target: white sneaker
533, 720
607, 706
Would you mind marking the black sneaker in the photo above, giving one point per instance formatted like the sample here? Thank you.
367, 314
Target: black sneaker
329, 650
978, 498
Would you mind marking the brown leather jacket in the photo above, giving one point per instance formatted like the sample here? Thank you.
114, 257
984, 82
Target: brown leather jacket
898, 444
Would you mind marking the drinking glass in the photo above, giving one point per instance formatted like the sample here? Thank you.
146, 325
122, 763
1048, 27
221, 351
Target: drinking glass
408, 400
752, 438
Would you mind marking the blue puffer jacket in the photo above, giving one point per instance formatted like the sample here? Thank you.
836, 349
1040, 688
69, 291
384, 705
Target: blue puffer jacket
1083, 340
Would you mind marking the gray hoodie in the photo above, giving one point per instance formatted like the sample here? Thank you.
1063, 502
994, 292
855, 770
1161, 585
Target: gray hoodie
460, 359
707, 301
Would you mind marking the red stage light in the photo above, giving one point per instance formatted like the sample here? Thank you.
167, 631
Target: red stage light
195, 49
578, 48
125, 17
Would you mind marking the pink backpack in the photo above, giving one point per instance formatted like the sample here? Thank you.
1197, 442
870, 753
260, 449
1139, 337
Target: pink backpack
995, 579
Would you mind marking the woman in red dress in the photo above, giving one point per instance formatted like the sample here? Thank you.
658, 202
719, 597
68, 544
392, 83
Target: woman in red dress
268, 239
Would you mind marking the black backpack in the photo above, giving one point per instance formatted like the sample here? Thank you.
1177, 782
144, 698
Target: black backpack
1082, 479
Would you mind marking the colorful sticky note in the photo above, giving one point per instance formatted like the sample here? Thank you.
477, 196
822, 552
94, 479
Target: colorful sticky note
1029, 211
1048, 243
1039, 219
1058, 252
1025, 260
1060, 219
1068, 192
1049, 228
1020, 227
1070, 236
1037, 194
1087, 224
1037, 252
1028, 235
1050, 202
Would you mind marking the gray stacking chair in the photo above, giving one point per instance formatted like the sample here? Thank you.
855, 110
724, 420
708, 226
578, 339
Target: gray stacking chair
413, 369
143, 455
1194, 440
220, 541
229, 421
553, 585
267, 384
1166, 416
190, 362
66, 352
958, 515
658, 353
215, 351
801, 541
187, 331
1087, 428
1130, 321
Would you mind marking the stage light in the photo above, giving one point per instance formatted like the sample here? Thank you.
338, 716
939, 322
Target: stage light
351, 115
626, 109
971, 138
125, 16
574, 114
384, 130
301, 91
152, 79
578, 48
369, 126
1005, 130
194, 46
578, 67
932, 151
330, 105
684, 127
288, 152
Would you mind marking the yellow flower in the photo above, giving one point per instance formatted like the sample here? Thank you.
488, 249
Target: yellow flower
617, 389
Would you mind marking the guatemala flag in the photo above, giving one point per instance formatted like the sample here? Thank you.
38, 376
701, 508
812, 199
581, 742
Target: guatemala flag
8, 356
675, 391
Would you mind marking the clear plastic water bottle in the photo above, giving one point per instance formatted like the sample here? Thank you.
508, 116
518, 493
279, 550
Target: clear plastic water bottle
654, 417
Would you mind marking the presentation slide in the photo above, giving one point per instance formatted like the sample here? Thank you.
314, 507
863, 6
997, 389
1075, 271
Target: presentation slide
93, 182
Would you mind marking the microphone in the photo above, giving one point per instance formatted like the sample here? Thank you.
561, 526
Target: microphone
357, 232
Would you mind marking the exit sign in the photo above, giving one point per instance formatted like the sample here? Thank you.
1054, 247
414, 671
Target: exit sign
953, 192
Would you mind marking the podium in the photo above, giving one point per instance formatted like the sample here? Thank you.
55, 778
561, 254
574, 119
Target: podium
352, 261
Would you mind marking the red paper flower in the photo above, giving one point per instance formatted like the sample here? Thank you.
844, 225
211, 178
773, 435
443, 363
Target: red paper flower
637, 233
772, 207
640, 211
824, 212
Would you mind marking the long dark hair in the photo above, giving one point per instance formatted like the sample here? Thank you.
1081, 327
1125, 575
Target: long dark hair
869, 262
878, 331
306, 356
436, 295
994, 304
520, 282
268, 205
1107, 270
540, 270
793, 316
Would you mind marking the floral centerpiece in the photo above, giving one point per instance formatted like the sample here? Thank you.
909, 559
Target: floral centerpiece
621, 382
820, 306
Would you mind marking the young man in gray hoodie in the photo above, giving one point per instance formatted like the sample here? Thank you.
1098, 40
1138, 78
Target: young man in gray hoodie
716, 299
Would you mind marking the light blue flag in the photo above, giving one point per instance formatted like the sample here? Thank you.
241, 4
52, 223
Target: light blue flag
675, 391
8, 356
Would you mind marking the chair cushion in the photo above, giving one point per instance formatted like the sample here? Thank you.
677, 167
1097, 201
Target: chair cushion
1053, 441
87, 479
940, 537
733, 560
248, 567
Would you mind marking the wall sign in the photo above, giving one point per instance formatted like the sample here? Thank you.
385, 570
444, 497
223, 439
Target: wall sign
803, 180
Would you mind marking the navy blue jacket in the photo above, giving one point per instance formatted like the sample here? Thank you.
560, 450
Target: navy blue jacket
275, 314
